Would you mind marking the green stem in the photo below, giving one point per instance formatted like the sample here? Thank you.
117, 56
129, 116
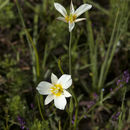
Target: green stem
76, 117
70, 53
59, 65
103, 67
121, 117
101, 97
40, 109
4, 4
35, 52
73, 94
30, 42
59, 125
70, 40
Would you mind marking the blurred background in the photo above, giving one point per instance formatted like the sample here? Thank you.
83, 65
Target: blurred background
107, 27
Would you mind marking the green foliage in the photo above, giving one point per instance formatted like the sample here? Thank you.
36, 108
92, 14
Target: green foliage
16, 106
99, 47
13, 74
61, 29
7, 16
7, 62
38, 125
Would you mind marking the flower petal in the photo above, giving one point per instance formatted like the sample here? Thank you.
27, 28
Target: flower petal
65, 80
83, 8
72, 8
62, 19
71, 26
80, 19
54, 78
61, 9
60, 102
67, 94
48, 99
67, 84
44, 88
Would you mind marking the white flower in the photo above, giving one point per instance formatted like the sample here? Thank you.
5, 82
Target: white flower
71, 19
56, 90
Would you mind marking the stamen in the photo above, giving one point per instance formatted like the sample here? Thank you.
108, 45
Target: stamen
71, 18
74, 17
67, 18
57, 89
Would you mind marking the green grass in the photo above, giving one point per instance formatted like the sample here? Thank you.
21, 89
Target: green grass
33, 44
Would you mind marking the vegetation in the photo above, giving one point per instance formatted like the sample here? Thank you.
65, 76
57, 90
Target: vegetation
34, 44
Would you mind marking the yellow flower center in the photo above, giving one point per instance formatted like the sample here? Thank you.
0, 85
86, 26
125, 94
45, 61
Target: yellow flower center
71, 18
57, 89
